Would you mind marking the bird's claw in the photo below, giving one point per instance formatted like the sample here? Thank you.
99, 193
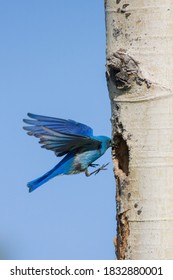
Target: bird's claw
101, 168
96, 171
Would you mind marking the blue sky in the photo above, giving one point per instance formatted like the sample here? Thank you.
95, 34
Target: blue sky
52, 57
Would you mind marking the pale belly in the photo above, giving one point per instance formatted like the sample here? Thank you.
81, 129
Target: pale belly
83, 160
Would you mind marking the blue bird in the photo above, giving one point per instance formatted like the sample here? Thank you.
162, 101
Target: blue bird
66, 138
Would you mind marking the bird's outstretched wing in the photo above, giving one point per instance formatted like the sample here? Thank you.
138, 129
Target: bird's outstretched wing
61, 136
56, 124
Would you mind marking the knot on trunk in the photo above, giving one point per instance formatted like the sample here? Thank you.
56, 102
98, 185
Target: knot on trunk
123, 70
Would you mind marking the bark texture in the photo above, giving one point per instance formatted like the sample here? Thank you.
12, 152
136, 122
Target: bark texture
140, 81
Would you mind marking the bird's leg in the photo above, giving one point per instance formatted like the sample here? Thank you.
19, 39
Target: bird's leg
96, 171
93, 164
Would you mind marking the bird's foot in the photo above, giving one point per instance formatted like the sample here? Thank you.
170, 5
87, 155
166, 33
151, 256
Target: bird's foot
96, 171
101, 168
93, 164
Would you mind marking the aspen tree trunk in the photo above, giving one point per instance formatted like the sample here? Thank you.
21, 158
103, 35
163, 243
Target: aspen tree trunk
140, 82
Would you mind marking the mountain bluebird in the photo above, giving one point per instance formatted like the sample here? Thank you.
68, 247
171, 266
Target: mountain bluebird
75, 141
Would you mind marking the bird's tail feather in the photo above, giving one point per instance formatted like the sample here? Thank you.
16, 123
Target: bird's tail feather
59, 169
32, 185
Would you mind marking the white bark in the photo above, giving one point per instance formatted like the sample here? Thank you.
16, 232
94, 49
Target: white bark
140, 83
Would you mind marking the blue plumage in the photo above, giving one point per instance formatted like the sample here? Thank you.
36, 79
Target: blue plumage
66, 137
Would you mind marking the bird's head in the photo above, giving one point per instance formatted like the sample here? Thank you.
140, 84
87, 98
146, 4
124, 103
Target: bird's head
106, 142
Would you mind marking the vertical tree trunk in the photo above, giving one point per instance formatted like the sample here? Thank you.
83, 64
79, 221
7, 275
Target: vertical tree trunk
140, 82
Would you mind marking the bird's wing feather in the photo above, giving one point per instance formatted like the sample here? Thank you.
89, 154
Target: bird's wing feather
57, 124
62, 143
59, 141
